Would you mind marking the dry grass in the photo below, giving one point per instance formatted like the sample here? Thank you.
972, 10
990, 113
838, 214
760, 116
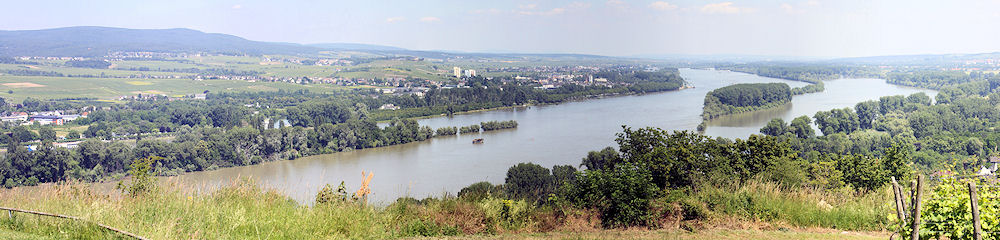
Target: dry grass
712, 234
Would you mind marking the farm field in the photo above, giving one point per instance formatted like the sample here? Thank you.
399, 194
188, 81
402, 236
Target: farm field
175, 76
17, 88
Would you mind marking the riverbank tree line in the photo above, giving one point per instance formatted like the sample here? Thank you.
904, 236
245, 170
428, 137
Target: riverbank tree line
655, 173
955, 133
242, 128
497, 125
222, 136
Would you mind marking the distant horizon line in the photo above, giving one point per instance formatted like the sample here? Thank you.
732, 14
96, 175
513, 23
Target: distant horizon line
655, 56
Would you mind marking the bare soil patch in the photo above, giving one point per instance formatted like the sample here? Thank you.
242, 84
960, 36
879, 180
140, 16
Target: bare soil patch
23, 85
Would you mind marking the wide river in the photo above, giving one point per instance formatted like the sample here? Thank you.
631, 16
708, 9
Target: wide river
547, 135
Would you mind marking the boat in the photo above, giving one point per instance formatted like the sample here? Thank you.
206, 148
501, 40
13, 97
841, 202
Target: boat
477, 141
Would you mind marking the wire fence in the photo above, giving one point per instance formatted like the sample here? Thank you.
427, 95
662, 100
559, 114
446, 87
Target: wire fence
10, 213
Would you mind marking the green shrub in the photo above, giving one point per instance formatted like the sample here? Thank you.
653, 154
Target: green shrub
480, 190
507, 214
427, 228
142, 177
528, 181
622, 194
327, 194
947, 211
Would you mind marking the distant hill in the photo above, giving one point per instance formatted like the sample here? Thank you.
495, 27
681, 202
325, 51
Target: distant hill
930, 59
99, 41
355, 46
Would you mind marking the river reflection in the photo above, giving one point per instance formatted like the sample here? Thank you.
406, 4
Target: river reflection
547, 135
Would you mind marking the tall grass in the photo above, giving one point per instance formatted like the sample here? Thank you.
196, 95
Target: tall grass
245, 211
242, 211
800, 207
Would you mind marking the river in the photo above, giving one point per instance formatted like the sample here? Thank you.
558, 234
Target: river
547, 135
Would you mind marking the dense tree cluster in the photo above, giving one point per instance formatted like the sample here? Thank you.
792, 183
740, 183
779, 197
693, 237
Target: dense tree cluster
957, 133
745, 97
483, 93
223, 136
934, 79
469, 129
623, 184
811, 88
446, 131
497, 125
95, 63
813, 73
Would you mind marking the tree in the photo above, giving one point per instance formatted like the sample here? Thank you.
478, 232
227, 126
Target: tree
600, 160
837, 120
891, 103
802, 127
480, 190
226, 116
867, 112
21, 134
73, 134
919, 98
776, 127
563, 174
528, 181
46, 133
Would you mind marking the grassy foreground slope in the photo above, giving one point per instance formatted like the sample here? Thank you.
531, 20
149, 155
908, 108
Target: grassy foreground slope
711, 234
245, 211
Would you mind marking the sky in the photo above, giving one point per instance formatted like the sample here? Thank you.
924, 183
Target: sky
813, 28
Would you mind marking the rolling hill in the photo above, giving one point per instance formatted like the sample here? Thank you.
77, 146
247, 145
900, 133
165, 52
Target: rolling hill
99, 41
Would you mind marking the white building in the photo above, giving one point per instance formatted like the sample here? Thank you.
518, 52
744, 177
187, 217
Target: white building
458, 72
389, 106
470, 72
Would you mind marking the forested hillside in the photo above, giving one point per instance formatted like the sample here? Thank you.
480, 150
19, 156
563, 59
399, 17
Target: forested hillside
956, 133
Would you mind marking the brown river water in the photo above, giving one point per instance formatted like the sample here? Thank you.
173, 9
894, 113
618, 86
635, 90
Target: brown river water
547, 135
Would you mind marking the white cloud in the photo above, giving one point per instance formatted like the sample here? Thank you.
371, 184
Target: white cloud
555, 11
429, 19
237, 6
528, 6
790, 9
579, 5
394, 19
617, 4
662, 6
723, 7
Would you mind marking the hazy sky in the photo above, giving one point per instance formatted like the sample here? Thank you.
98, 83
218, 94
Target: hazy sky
607, 27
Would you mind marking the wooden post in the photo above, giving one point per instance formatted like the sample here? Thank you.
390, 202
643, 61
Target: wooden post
916, 207
974, 200
898, 195
909, 204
